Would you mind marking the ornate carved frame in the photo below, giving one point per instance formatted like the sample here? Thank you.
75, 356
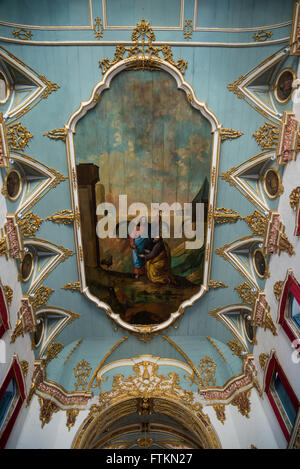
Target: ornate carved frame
70, 129
290, 285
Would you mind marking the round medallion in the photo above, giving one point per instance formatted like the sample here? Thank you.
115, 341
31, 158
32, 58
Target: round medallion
283, 86
272, 183
13, 184
26, 266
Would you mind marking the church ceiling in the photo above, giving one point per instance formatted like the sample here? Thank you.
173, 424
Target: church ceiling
60, 63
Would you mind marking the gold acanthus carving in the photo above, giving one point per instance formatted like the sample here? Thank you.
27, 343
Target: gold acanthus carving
22, 33
207, 368
226, 215
98, 28
41, 297
50, 87
24, 367
56, 134
29, 224
257, 222
188, 29
17, 136
277, 289
3, 246
262, 35
246, 293
263, 358
64, 217
73, 350
220, 412
229, 134
235, 347
242, 402
8, 291
81, 372
54, 349
217, 284
73, 286
295, 197
143, 50
48, 408
267, 136
71, 417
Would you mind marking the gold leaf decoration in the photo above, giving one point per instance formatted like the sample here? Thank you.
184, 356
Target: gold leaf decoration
17, 136
62, 216
220, 412
73, 286
8, 291
188, 29
246, 293
207, 369
226, 215
235, 347
56, 134
267, 136
277, 289
257, 222
229, 134
41, 297
81, 372
29, 224
98, 28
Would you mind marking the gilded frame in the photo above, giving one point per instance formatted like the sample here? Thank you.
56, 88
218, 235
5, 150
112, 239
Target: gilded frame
20, 277
286, 69
70, 129
5, 191
280, 185
267, 273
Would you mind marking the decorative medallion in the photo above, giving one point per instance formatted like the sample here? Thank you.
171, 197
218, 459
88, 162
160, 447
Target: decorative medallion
188, 29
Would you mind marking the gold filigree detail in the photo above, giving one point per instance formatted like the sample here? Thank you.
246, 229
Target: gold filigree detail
246, 293
277, 289
243, 403
262, 35
143, 50
56, 134
81, 372
41, 297
267, 136
188, 29
64, 217
229, 134
98, 28
207, 369
144, 442
66, 253
234, 87
48, 408
29, 224
3, 246
73, 286
257, 222
295, 197
73, 350
58, 178
226, 215
71, 417
18, 136
24, 367
220, 412
8, 291
22, 33
54, 349
217, 284
50, 87
263, 358
216, 347
235, 347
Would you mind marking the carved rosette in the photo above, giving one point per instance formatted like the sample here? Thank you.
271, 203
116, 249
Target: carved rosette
260, 316
288, 139
14, 237
275, 239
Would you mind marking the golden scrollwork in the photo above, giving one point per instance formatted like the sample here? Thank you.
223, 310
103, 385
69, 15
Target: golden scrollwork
98, 28
81, 372
143, 50
262, 35
3, 246
217, 284
54, 349
24, 367
71, 417
29, 224
207, 369
50, 87
226, 215
277, 289
263, 358
73, 350
229, 134
246, 293
220, 412
73, 286
41, 297
267, 136
257, 222
242, 402
188, 29
235, 347
234, 87
64, 217
56, 134
8, 291
17, 136
48, 408
216, 347
295, 197
22, 33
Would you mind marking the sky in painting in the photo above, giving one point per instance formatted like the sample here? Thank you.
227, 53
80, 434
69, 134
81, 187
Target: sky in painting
146, 139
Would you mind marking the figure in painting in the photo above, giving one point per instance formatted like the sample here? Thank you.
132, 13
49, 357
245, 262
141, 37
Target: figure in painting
158, 262
137, 244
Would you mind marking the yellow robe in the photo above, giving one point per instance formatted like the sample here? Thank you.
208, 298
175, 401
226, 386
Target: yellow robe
159, 268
